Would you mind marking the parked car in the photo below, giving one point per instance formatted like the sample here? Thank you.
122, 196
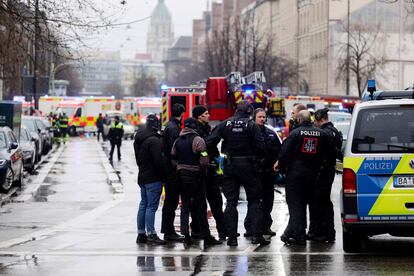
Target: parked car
129, 130
11, 160
35, 125
28, 146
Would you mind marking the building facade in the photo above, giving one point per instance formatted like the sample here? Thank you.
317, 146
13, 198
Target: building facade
160, 33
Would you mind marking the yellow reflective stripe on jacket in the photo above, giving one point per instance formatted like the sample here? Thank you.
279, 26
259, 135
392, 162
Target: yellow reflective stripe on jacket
204, 154
119, 125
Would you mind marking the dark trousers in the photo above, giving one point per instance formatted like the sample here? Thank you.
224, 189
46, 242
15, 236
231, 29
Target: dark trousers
299, 191
118, 147
63, 132
172, 196
98, 135
241, 172
193, 193
267, 181
321, 207
215, 200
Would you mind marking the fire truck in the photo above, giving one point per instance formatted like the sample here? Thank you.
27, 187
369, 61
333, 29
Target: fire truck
188, 96
220, 96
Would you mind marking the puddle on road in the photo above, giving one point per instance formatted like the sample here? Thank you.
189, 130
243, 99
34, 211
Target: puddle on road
43, 192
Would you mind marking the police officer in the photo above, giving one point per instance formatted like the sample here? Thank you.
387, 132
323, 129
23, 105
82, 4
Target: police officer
116, 132
63, 126
242, 142
172, 189
189, 155
213, 192
55, 127
301, 157
267, 176
99, 126
322, 226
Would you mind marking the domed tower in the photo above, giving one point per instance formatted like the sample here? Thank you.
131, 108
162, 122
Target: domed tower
160, 33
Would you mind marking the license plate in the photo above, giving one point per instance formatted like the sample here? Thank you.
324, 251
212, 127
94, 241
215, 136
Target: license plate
403, 181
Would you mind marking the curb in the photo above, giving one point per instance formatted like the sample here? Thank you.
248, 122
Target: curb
112, 177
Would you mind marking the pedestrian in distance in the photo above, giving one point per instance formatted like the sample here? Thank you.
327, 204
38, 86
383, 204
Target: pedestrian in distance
116, 132
213, 191
267, 175
63, 126
151, 175
172, 189
322, 227
190, 158
242, 145
302, 155
99, 126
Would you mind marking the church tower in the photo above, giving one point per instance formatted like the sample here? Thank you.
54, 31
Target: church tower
160, 33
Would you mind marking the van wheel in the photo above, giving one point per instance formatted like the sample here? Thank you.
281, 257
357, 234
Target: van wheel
72, 131
351, 242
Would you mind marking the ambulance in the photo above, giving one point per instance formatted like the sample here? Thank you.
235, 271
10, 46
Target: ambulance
83, 112
48, 104
146, 106
377, 195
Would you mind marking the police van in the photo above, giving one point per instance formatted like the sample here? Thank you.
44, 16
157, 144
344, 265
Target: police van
377, 195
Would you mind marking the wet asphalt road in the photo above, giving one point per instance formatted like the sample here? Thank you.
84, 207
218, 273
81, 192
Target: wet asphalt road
76, 225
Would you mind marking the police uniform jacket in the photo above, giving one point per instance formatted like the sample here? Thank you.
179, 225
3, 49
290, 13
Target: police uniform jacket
241, 137
336, 138
116, 132
306, 146
273, 144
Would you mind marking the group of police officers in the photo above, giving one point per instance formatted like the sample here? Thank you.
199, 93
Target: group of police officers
254, 157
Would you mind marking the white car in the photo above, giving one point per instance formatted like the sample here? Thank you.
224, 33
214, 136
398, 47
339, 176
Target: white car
129, 130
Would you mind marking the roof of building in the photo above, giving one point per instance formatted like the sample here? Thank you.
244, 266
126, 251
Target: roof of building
183, 42
161, 11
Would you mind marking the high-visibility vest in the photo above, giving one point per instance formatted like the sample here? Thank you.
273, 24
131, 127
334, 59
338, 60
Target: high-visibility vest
63, 122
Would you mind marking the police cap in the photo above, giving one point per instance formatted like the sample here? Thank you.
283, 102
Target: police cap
321, 114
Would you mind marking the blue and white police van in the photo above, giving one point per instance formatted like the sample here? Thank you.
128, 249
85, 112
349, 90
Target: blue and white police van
377, 195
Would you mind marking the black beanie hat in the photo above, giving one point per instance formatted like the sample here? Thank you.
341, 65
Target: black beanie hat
153, 122
198, 110
191, 123
177, 110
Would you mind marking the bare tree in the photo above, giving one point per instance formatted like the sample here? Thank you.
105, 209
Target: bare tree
363, 59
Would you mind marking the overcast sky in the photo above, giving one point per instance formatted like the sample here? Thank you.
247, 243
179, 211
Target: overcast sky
133, 40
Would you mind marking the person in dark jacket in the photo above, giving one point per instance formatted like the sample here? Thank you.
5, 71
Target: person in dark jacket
302, 155
172, 189
99, 126
189, 156
213, 192
116, 132
151, 174
267, 175
322, 226
63, 126
242, 144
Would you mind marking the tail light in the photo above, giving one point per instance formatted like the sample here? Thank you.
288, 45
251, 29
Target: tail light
349, 181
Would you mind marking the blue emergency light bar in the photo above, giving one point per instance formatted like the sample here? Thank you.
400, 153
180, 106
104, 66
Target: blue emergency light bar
389, 94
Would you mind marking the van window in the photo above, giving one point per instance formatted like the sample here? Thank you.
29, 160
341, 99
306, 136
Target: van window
78, 112
178, 99
384, 130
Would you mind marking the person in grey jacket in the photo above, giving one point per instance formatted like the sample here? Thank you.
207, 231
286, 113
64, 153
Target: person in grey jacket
189, 156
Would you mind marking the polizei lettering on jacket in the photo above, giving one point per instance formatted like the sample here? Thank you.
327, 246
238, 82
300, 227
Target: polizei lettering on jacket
310, 133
